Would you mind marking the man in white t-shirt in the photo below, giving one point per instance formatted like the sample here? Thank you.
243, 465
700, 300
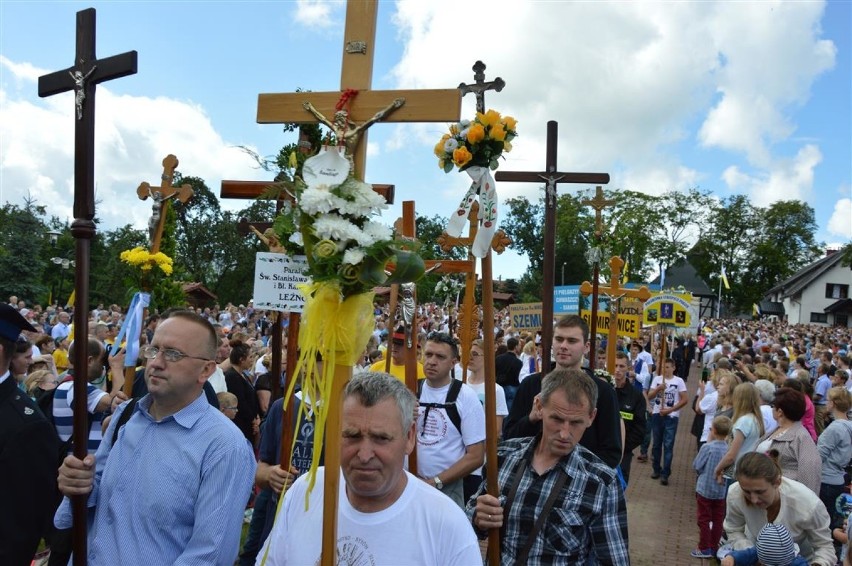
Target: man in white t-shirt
667, 397
450, 422
385, 514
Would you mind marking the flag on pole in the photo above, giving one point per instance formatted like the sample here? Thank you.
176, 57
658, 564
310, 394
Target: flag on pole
755, 310
662, 276
624, 274
71, 298
725, 279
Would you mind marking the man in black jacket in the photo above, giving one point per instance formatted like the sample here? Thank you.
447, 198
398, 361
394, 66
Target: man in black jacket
570, 344
631, 406
507, 367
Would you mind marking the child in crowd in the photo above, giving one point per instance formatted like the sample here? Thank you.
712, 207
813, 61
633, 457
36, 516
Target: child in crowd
710, 494
774, 547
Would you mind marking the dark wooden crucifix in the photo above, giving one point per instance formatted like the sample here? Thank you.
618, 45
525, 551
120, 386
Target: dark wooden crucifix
86, 72
551, 178
598, 203
435, 105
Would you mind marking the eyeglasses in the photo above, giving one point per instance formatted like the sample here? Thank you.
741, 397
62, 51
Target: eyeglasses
475, 354
169, 354
229, 409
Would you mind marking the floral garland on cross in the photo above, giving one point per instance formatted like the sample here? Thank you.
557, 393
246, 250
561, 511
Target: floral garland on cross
476, 147
348, 254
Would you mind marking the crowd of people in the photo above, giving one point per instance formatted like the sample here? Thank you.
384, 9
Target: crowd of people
194, 453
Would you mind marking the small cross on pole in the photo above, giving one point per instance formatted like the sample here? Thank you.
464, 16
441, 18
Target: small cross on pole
82, 77
598, 203
480, 86
551, 178
161, 196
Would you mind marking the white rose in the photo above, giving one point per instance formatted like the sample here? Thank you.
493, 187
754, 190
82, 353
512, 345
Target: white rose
451, 145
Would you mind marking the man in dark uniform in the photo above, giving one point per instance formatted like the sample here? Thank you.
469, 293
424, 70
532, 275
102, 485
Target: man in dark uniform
507, 367
631, 406
29, 449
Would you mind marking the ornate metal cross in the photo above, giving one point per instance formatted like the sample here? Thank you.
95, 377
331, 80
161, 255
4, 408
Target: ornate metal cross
480, 86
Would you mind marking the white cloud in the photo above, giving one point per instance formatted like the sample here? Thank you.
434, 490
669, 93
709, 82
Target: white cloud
132, 136
316, 13
625, 80
784, 179
840, 223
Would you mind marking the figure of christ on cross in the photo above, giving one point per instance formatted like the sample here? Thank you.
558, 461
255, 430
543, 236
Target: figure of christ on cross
82, 77
551, 177
161, 196
598, 203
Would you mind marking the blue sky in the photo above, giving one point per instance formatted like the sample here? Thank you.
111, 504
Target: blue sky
745, 97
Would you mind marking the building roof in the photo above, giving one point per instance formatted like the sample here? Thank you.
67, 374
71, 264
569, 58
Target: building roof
683, 274
841, 306
197, 289
794, 284
771, 307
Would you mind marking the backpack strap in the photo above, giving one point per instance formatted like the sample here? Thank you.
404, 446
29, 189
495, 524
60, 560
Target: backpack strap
122, 420
449, 404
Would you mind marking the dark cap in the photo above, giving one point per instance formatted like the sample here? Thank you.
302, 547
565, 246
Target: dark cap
12, 323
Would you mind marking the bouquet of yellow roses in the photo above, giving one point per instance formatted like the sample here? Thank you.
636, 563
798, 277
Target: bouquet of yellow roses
479, 143
475, 148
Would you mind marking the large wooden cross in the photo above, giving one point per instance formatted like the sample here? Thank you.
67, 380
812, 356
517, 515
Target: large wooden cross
598, 203
551, 178
615, 292
437, 105
86, 72
161, 195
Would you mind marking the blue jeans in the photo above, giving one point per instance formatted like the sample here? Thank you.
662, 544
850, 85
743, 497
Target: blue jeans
643, 450
664, 430
510, 391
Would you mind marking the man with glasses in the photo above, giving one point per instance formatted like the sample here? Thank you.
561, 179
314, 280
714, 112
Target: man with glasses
172, 485
450, 422
397, 366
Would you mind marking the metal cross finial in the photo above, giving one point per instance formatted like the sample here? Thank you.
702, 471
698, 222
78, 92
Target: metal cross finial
598, 203
481, 86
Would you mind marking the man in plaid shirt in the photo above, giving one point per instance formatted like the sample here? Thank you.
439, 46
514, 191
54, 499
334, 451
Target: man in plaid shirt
559, 503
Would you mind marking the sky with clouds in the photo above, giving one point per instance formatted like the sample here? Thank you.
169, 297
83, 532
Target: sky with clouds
732, 97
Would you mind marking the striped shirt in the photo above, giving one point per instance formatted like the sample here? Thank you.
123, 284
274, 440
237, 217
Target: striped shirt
170, 492
588, 521
63, 413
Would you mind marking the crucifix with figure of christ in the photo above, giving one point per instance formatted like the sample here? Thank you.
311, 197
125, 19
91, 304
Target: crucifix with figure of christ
615, 292
551, 178
82, 77
160, 196
598, 203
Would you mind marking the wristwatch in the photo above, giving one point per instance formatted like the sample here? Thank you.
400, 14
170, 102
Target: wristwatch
438, 483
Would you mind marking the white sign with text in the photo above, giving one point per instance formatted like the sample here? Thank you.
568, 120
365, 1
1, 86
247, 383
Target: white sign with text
275, 280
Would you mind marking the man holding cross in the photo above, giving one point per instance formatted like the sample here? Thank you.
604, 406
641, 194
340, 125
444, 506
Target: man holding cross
386, 515
171, 484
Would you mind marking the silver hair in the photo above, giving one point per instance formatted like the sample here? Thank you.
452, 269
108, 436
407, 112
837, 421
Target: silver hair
373, 387
766, 390
575, 383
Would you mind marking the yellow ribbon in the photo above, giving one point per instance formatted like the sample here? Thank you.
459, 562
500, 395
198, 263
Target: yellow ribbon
338, 330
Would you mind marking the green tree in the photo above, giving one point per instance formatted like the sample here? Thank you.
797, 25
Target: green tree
22, 251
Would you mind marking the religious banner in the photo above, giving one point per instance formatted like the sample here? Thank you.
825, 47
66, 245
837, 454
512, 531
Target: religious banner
628, 325
276, 281
669, 308
526, 317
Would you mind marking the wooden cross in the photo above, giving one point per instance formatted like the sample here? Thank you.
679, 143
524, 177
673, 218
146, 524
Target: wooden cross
551, 178
161, 196
598, 203
615, 292
437, 105
82, 77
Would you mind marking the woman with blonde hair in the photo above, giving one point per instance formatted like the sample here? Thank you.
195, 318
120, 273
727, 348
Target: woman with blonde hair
746, 432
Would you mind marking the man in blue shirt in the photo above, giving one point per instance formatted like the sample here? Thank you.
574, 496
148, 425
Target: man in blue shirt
173, 487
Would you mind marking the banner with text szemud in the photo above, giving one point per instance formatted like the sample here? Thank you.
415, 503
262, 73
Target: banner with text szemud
275, 280
526, 317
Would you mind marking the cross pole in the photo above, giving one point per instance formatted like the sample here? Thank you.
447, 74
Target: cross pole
161, 196
551, 178
598, 203
615, 292
437, 105
86, 72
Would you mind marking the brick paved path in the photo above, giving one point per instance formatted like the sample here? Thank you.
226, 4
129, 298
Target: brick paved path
661, 519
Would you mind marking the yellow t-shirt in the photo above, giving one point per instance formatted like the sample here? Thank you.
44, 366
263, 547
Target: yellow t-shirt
60, 358
397, 371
